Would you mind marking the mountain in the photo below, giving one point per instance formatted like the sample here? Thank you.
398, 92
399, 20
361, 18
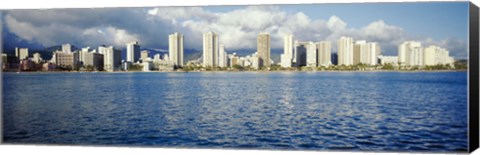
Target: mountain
191, 54
48, 52
13, 41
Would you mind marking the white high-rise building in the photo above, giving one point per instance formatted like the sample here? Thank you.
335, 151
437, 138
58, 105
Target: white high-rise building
345, 51
324, 53
222, 57
410, 53
67, 48
144, 56
434, 55
82, 54
21, 53
263, 49
157, 58
402, 54
286, 58
210, 49
175, 48
360, 50
255, 61
365, 52
374, 51
111, 58
133, 48
311, 54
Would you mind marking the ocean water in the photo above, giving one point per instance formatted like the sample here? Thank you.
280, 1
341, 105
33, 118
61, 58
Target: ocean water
354, 111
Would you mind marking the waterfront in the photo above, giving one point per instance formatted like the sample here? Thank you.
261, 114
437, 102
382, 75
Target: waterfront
383, 111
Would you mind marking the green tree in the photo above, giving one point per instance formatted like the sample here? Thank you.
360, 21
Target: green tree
237, 67
135, 67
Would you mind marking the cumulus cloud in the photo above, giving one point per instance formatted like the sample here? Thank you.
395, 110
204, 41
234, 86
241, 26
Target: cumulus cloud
238, 29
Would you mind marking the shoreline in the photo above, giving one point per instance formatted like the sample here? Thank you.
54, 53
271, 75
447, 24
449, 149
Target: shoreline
276, 71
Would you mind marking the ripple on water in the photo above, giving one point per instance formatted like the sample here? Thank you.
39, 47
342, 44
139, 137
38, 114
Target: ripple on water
333, 111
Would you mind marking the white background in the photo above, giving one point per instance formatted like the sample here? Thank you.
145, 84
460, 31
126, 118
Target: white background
43, 149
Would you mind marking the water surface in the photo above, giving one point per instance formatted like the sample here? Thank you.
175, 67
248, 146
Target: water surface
380, 111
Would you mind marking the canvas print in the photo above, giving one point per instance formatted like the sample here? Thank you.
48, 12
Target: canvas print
347, 77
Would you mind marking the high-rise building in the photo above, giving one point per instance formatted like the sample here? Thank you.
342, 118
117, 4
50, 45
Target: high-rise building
254, 60
374, 51
37, 58
67, 59
263, 49
311, 54
82, 54
222, 57
102, 49
144, 56
111, 58
286, 59
359, 52
133, 50
365, 52
345, 51
324, 53
93, 59
410, 53
434, 55
21, 53
232, 59
175, 48
67, 48
210, 49
334, 58
300, 53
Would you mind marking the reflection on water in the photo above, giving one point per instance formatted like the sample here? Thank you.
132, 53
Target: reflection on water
320, 111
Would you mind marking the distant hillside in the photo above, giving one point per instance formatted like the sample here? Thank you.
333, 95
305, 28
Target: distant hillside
192, 54
48, 52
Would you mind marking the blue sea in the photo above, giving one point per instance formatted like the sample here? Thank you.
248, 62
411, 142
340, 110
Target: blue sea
354, 111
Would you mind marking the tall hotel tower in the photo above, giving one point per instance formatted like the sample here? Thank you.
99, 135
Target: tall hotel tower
222, 57
287, 57
324, 53
410, 53
345, 51
263, 49
210, 49
175, 48
133, 49
111, 58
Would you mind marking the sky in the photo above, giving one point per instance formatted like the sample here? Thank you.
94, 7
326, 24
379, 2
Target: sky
433, 23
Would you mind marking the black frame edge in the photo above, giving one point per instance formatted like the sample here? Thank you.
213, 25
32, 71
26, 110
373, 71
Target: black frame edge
473, 67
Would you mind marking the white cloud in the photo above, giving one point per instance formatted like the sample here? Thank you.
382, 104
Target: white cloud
238, 29
108, 35
335, 23
23, 30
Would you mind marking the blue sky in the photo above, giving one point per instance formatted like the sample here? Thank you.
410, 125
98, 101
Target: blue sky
432, 23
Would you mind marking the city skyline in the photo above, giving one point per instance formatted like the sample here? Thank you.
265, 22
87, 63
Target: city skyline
151, 25
351, 52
